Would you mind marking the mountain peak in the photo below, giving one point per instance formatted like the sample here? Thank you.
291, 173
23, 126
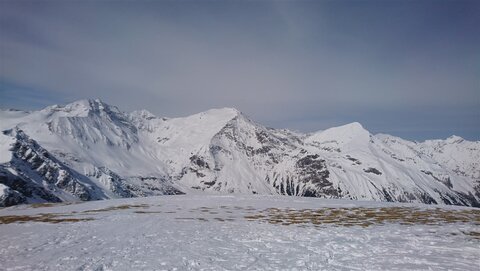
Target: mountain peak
454, 139
82, 108
92, 105
142, 113
227, 111
354, 129
342, 134
353, 125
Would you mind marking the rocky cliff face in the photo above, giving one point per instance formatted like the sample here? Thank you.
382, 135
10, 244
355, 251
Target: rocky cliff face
89, 150
38, 174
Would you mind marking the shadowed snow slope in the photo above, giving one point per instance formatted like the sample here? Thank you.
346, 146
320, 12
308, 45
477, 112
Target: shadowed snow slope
89, 150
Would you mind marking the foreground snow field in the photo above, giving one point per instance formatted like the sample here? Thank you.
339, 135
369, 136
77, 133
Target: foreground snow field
238, 233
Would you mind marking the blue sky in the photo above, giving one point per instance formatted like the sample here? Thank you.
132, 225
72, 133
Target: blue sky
408, 68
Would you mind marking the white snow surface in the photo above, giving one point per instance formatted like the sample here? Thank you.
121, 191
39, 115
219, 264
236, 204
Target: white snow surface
3, 190
210, 232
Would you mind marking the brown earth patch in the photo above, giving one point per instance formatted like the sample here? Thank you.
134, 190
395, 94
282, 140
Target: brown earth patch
47, 218
365, 217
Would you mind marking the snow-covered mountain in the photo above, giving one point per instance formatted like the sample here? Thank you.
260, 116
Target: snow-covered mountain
88, 150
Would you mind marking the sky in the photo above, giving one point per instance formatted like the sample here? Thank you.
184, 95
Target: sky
406, 68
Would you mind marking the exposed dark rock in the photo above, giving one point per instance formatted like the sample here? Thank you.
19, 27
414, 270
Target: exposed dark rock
476, 189
354, 160
199, 161
469, 199
373, 170
426, 198
446, 181
311, 169
209, 183
262, 137
387, 195
43, 167
27, 187
11, 197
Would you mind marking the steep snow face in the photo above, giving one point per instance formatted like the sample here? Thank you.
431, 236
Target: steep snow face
81, 108
184, 135
84, 121
5, 144
453, 162
90, 150
91, 121
348, 137
457, 154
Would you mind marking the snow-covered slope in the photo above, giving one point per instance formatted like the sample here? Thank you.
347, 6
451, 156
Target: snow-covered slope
89, 150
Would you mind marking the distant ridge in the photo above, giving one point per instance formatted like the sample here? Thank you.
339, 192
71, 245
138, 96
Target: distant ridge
89, 150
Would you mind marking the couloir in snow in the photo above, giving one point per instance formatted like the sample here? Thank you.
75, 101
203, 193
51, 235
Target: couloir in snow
88, 150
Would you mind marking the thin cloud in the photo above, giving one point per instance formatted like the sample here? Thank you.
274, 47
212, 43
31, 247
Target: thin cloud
301, 65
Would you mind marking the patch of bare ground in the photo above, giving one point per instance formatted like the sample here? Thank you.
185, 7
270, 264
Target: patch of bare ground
47, 218
192, 218
119, 207
472, 234
148, 212
65, 217
50, 204
366, 216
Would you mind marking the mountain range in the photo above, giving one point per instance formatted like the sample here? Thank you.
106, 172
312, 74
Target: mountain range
89, 150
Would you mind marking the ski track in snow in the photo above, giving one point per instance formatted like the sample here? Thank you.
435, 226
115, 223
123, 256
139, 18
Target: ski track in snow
174, 236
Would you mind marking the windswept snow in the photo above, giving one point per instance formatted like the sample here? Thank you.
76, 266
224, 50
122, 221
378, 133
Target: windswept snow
216, 233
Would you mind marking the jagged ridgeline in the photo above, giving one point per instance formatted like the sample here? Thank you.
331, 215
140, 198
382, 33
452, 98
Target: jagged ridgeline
89, 150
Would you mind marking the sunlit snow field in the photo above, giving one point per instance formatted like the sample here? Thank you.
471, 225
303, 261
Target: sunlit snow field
238, 233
